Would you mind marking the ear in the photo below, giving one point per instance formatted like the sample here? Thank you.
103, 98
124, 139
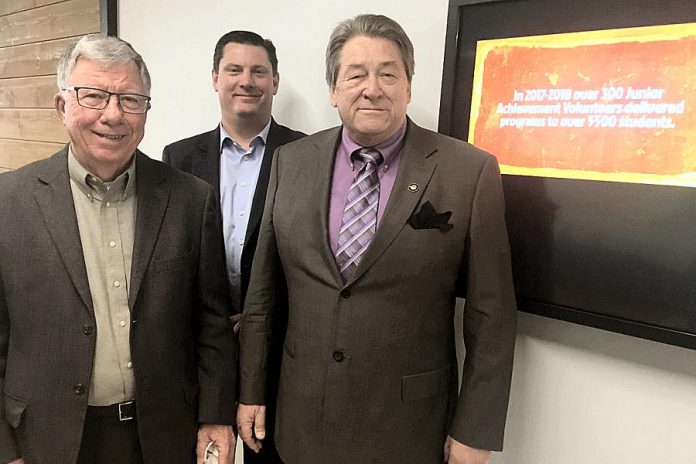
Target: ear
409, 93
276, 81
215, 80
59, 104
332, 95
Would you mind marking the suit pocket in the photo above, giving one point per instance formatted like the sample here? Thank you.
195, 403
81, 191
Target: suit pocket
172, 264
14, 409
426, 384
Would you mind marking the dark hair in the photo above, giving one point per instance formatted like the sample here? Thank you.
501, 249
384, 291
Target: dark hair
245, 38
369, 25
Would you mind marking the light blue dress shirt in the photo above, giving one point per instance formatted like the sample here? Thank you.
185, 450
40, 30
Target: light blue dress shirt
239, 172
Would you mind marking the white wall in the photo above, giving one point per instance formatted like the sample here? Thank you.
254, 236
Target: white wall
580, 395
177, 43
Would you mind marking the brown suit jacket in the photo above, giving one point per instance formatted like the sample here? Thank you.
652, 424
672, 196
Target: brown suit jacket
369, 372
181, 343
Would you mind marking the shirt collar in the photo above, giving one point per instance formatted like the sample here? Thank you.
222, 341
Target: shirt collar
95, 188
389, 149
261, 136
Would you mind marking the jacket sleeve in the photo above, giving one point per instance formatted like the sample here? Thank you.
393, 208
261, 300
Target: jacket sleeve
8, 445
263, 299
216, 343
490, 319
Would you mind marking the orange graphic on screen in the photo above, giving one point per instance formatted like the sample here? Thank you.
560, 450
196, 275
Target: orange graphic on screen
616, 105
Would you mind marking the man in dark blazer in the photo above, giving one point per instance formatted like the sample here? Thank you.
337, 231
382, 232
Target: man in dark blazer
115, 345
369, 372
235, 158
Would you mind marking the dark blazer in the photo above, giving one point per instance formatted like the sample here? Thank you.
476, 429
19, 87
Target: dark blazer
369, 371
181, 343
200, 156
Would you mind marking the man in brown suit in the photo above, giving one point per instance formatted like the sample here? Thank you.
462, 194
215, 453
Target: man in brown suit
115, 345
376, 227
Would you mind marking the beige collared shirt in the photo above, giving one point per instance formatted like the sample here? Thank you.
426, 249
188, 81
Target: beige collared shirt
106, 219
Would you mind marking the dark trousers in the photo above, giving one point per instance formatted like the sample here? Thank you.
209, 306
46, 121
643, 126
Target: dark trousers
107, 440
268, 455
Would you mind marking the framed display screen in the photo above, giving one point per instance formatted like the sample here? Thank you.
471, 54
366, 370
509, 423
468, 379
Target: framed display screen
590, 108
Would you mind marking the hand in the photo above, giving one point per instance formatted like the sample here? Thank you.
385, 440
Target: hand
236, 322
17, 461
459, 453
222, 436
251, 424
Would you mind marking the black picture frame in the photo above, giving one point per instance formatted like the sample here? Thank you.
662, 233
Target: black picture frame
615, 256
109, 17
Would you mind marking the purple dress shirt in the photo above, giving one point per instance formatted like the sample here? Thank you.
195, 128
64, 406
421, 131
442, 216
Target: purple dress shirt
344, 172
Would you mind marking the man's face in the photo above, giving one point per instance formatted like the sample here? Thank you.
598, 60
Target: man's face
371, 91
245, 82
102, 140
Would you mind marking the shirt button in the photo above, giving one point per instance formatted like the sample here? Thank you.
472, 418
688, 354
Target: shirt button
79, 389
130, 365
241, 243
243, 184
338, 356
117, 284
108, 204
242, 212
112, 244
122, 323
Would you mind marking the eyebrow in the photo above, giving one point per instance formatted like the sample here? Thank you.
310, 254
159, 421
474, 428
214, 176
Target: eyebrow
383, 64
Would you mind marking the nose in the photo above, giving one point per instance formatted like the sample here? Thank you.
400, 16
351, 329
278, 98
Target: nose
373, 88
247, 79
113, 111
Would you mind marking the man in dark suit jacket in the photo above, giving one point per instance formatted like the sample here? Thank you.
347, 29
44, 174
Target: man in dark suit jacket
376, 227
115, 345
235, 158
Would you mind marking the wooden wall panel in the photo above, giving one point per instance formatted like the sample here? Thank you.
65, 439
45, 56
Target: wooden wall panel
68, 19
17, 153
37, 59
38, 125
13, 6
33, 36
28, 92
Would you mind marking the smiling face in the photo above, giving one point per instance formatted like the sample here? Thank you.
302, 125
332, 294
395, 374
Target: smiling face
245, 83
372, 90
103, 141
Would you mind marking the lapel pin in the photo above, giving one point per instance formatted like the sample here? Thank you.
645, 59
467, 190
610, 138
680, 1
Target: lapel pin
412, 188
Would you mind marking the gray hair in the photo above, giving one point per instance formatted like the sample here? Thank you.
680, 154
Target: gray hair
102, 49
369, 25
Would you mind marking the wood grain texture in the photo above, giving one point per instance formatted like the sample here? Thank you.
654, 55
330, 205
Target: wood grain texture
14, 6
39, 125
28, 92
67, 19
37, 59
17, 153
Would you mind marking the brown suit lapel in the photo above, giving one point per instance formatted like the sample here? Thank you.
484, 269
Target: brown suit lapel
58, 210
416, 167
318, 179
153, 197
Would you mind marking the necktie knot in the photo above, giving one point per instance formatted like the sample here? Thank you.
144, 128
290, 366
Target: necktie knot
368, 156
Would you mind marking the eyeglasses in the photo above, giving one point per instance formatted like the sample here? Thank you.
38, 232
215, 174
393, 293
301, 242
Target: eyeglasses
98, 99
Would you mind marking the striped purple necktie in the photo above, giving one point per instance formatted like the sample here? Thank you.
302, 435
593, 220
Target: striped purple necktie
360, 214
